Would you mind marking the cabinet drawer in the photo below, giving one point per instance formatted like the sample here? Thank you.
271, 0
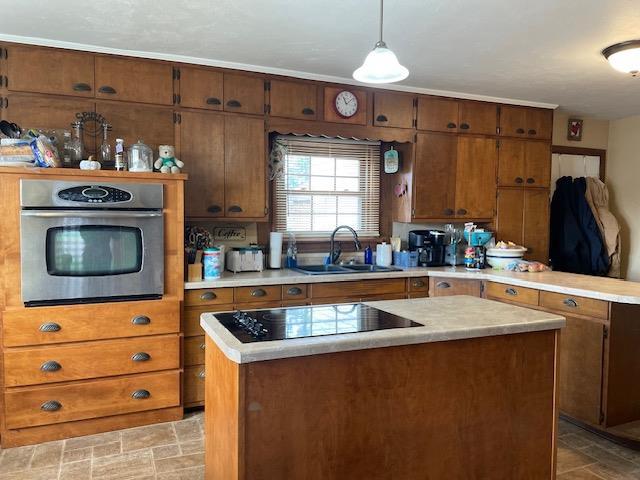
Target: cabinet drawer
361, 288
46, 325
577, 305
208, 296
443, 287
294, 292
194, 350
191, 322
29, 407
419, 284
258, 294
512, 293
194, 384
59, 363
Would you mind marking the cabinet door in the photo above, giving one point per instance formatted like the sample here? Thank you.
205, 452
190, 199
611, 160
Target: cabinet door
510, 215
243, 94
153, 125
392, 110
444, 287
294, 100
44, 70
134, 80
580, 369
478, 117
511, 163
201, 88
538, 164
539, 123
536, 224
513, 121
476, 177
434, 176
202, 151
437, 114
244, 167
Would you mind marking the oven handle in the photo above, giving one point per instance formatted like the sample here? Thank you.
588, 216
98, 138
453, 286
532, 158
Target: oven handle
88, 214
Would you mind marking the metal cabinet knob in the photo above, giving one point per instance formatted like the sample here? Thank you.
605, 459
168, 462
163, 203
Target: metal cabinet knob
81, 87
141, 320
462, 211
520, 131
214, 209
235, 209
532, 132
511, 291
51, 406
449, 211
50, 327
202, 346
141, 394
258, 292
519, 180
443, 285
451, 125
208, 296
418, 283
107, 89
234, 103
382, 118
50, 366
531, 180
201, 374
213, 101
308, 111
294, 291
141, 357
464, 126
570, 302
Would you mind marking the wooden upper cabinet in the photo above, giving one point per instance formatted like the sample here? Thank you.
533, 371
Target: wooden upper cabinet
510, 215
393, 110
536, 224
53, 71
478, 117
245, 167
524, 163
134, 80
434, 176
201, 88
243, 94
476, 177
202, 151
526, 122
294, 100
437, 114
537, 170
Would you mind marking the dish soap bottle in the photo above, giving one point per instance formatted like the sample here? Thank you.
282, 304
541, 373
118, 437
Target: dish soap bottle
368, 255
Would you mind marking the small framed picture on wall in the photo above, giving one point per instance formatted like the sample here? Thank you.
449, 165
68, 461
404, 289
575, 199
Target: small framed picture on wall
574, 129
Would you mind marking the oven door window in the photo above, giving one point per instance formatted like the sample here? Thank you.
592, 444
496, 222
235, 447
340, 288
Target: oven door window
93, 250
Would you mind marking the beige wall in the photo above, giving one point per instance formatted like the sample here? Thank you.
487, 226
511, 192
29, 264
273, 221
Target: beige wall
623, 175
595, 133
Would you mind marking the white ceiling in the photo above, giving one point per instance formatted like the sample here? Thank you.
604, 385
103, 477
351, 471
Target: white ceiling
545, 51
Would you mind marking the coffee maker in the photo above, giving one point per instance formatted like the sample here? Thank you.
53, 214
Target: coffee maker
430, 245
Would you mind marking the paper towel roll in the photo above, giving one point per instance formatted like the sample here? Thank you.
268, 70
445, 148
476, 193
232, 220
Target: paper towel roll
275, 249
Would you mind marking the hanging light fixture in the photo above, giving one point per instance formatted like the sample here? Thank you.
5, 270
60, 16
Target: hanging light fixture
624, 56
381, 65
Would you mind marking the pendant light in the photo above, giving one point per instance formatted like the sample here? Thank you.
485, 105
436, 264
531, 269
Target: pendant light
624, 57
381, 65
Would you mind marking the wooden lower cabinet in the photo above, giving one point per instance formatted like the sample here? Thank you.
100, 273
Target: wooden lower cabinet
194, 386
512, 293
443, 287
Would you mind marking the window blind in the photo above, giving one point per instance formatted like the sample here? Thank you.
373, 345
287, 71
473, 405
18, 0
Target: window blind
326, 183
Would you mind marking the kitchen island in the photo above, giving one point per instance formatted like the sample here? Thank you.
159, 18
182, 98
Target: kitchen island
468, 393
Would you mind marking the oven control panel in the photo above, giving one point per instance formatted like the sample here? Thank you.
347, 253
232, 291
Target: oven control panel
94, 194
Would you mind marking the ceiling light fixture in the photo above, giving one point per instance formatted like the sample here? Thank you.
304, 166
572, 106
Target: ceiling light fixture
381, 65
624, 56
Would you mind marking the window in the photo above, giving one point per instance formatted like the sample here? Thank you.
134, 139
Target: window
326, 183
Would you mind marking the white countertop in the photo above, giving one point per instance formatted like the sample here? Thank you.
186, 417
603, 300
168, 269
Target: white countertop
443, 319
601, 288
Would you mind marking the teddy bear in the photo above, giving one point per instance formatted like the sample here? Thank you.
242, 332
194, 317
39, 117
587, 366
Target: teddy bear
167, 161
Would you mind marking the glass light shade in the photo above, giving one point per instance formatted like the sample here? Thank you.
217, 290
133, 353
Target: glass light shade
381, 66
624, 57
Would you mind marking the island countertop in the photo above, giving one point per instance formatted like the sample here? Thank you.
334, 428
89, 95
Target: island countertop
443, 319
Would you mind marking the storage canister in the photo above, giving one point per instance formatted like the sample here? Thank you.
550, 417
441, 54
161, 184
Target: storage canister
212, 267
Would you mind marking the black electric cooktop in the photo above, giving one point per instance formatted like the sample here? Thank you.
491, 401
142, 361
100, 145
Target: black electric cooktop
300, 322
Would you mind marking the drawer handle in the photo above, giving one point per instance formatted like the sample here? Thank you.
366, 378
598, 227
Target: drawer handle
202, 346
451, 125
208, 296
294, 291
141, 357
234, 103
214, 209
531, 180
213, 101
107, 89
258, 292
235, 208
81, 87
462, 211
201, 374
520, 131
532, 132
51, 406
141, 394
511, 291
382, 118
570, 302
141, 320
308, 111
50, 327
50, 366
418, 283
443, 285
464, 126
519, 180
449, 211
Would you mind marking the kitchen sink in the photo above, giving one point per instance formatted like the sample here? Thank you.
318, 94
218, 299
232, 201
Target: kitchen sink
371, 268
337, 269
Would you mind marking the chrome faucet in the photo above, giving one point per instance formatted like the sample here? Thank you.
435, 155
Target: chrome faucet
335, 255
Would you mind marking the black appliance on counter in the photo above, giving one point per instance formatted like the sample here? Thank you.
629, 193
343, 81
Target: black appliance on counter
301, 322
430, 245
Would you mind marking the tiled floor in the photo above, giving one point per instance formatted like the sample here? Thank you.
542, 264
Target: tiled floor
174, 451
